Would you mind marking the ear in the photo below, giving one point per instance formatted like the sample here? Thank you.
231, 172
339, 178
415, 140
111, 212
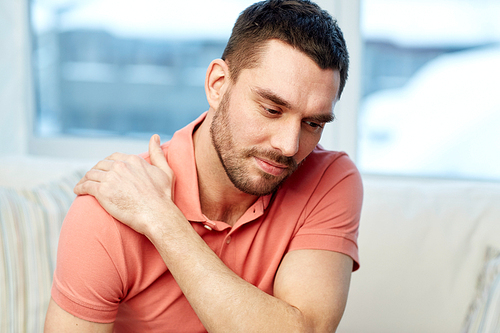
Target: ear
216, 82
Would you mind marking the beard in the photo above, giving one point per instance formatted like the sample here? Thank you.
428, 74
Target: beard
237, 163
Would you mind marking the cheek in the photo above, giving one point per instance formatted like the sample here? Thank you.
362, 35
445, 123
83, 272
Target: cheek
251, 133
247, 128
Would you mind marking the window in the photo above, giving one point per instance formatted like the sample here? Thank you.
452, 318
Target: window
431, 71
120, 67
109, 73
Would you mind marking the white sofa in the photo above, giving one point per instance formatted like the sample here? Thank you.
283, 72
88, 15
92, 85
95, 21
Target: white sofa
422, 247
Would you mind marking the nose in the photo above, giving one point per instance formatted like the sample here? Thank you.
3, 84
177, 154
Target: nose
286, 138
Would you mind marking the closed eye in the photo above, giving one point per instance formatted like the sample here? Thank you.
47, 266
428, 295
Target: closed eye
314, 125
319, 121
272, 111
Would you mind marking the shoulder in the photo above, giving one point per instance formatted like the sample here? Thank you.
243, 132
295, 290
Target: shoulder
92, 251
93, 243
322, 160
89, 234
323, 170
87, 218
88, 225
326, 193
326, 182
89, 252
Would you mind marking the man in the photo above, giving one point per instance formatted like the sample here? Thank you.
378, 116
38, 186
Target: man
241, 223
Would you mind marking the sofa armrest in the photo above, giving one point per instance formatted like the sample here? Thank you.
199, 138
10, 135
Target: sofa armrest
30, 222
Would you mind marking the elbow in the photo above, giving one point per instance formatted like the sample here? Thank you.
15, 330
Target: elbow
314, 324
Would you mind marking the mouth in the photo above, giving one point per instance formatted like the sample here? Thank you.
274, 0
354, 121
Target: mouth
271, 167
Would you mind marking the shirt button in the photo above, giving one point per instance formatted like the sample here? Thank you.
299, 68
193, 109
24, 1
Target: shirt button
207, 227
228, 240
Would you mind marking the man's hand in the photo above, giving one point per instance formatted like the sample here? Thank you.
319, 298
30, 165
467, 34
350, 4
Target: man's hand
132, 190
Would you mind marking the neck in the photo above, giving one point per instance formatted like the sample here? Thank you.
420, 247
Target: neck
220, 199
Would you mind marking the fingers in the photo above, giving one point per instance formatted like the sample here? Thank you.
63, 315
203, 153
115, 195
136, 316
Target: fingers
104, 165
117, 157
90, 182
158, 159
156, 154
122, 164
86, 187
95, 175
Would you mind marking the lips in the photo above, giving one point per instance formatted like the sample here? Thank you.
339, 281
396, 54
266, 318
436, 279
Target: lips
271, 167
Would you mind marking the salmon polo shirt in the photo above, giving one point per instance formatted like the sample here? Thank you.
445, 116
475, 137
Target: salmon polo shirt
107, 272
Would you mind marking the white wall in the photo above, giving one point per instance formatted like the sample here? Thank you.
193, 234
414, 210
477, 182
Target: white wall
14, 77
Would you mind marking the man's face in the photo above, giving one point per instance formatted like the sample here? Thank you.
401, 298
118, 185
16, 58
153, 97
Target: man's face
272, 117
236, 161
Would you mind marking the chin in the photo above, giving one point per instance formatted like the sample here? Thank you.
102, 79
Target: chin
266, 184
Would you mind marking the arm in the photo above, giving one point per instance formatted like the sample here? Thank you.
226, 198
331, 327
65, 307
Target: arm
58, 320
310, 288
317, 283
87, 280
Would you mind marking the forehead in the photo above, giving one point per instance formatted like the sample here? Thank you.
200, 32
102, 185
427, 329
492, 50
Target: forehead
293, 76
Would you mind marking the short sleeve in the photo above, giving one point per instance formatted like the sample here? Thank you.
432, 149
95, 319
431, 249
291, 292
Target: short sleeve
331, 216
90, 271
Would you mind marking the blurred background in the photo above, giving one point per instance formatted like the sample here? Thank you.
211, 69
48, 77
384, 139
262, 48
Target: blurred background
421, 100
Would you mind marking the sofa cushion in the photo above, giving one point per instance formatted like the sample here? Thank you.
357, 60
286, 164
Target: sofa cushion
30, 221
421, 245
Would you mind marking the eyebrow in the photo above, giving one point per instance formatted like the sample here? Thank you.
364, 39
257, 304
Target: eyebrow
322, 118
271, 96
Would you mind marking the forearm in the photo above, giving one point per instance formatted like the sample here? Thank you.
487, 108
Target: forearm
223, 301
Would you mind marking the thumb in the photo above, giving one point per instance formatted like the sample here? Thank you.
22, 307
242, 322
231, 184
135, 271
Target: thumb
156, 154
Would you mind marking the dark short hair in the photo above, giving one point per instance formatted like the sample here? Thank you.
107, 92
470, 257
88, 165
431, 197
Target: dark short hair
299, 23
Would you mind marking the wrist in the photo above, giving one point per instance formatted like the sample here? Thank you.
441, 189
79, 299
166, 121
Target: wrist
167, 226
